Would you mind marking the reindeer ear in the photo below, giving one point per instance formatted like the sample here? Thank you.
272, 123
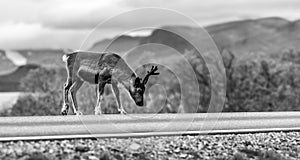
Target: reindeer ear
132, 79
137, 81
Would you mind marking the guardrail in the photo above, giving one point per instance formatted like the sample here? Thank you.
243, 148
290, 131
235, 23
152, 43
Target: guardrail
136, 125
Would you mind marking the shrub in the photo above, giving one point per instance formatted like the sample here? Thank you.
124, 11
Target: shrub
43, 93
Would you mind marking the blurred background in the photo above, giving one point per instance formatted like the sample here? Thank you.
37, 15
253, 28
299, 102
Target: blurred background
258, 41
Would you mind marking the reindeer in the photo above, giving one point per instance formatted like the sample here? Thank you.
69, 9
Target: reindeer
101, 69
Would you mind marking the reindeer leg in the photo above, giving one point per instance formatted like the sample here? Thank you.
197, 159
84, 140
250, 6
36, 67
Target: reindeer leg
117, 94
100, 92
66, 105
73, 91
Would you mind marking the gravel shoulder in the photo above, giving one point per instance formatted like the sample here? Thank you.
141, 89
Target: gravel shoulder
268, 146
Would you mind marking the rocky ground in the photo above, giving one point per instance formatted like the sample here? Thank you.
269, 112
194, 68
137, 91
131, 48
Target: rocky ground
265, 146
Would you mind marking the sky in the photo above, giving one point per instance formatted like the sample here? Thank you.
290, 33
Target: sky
66, 23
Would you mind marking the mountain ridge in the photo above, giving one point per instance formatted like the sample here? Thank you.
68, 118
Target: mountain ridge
270, 35
264, 35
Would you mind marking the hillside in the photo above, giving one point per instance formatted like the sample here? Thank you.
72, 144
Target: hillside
267, 35
10, 82
44, 57
263, 36
11, 74
6, 65
120, 44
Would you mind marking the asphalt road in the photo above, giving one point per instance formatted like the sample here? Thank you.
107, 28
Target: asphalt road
139, 125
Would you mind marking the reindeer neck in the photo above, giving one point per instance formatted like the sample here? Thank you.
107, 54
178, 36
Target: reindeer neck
127, 83
124, 74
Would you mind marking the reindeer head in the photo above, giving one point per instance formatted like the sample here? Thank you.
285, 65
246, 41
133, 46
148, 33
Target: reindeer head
137, 86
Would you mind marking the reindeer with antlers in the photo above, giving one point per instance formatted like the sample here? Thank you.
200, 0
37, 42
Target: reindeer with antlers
101, 69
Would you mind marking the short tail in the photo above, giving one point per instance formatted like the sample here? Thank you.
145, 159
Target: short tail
65, 57
69, 54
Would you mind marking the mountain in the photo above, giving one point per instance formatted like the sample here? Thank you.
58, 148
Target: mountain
119, 44
269, 35
6, 65
167, 36
11, 74
10, 82
43, 57
266, 35
11, 59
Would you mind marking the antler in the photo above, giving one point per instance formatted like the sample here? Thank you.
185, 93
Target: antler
149, 73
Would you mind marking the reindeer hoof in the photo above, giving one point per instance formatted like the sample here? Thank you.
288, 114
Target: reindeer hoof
122, 111
78, 113
64, 110
98, 113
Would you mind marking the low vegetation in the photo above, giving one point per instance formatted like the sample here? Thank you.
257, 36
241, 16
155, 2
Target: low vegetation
254, 83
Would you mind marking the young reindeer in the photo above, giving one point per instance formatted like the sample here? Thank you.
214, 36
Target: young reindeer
101, 69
